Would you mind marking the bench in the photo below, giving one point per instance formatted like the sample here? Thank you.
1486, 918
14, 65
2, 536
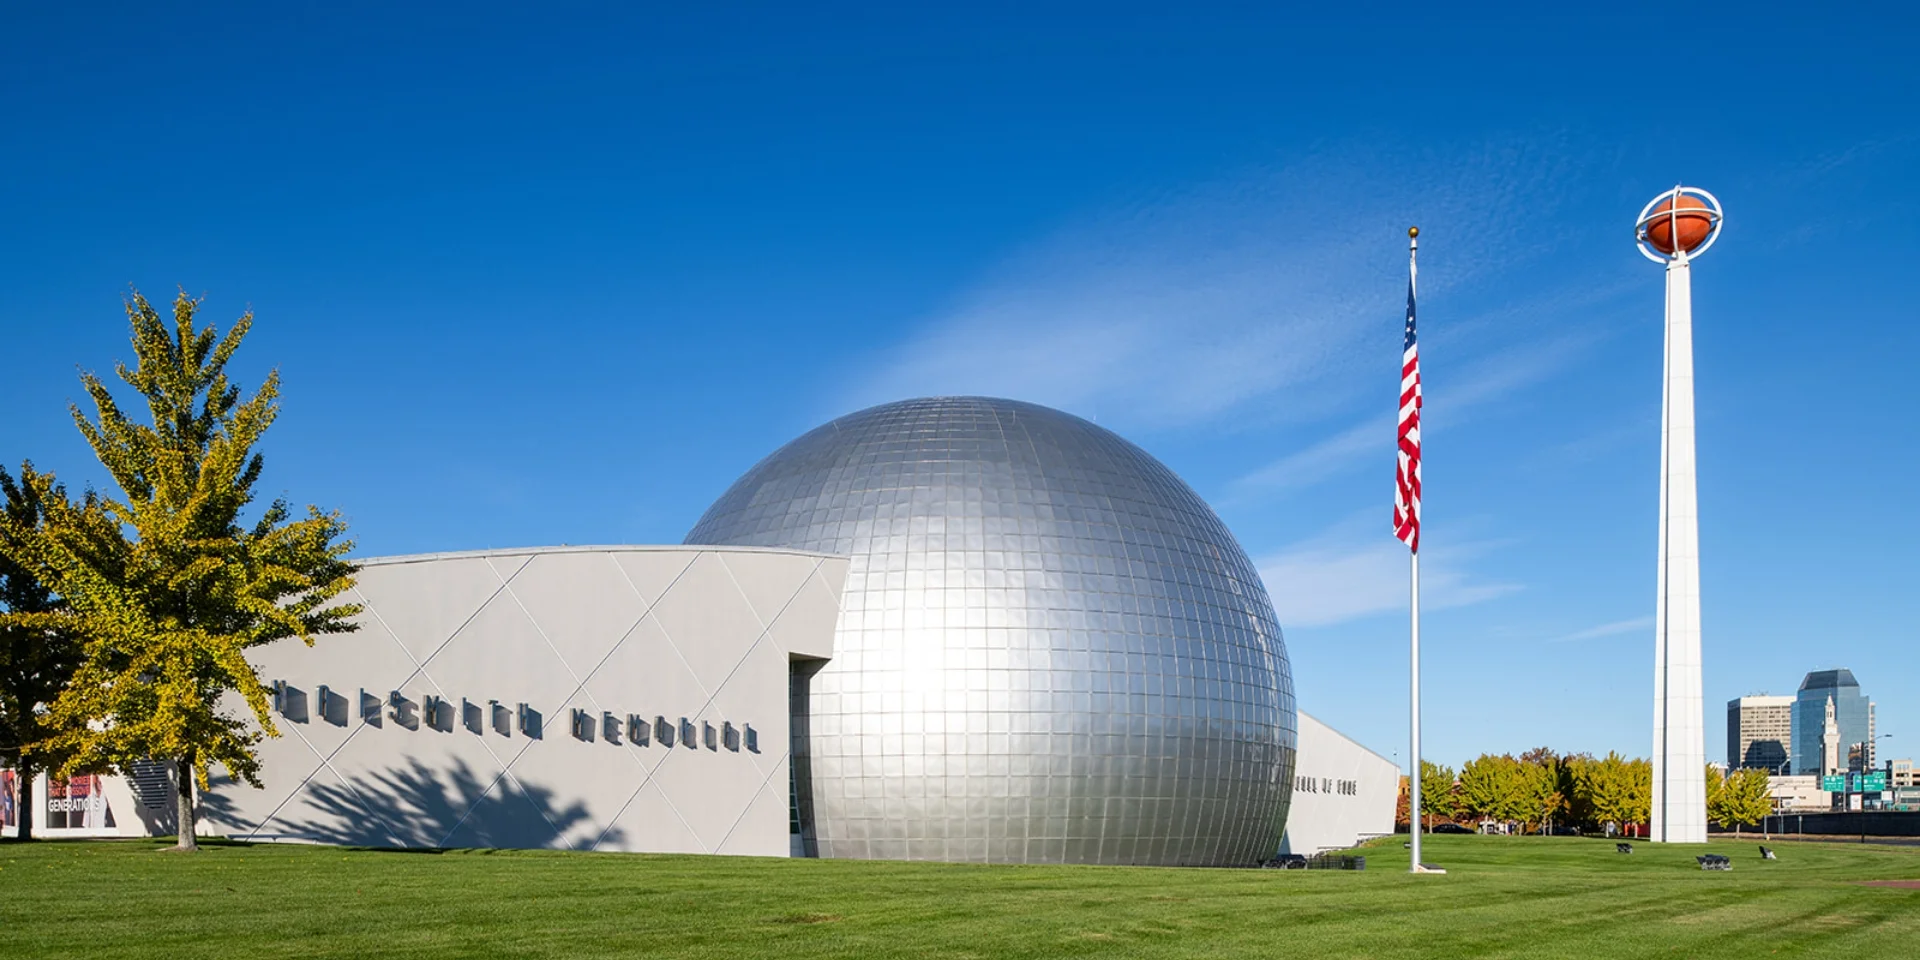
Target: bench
1330, 861
1319, 861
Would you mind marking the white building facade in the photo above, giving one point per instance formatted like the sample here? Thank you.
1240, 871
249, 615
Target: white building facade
626, 698
591, 698
1343, 793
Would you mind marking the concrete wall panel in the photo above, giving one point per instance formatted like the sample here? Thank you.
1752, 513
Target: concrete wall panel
491, 700
1343, 793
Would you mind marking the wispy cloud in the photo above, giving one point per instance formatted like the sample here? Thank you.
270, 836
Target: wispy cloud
1613, 629
1156, 335
1325, 460
1497, 375
1345, 575
1826, 197
1639, 428
1280, 288
1450, 401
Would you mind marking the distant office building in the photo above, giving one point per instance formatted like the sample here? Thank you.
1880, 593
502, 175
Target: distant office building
1798, 794
1759, 733
1853, 715
1900, 773
1857, 761
1903, 785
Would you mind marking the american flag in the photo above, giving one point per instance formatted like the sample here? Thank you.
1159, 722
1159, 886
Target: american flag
1406, 481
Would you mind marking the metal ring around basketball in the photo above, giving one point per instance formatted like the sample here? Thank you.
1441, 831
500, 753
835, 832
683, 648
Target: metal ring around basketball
1715, 217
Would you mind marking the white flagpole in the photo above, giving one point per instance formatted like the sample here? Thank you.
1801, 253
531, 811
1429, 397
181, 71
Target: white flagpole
1415, 782
1413, 778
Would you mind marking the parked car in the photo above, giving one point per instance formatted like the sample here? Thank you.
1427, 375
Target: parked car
1452, 828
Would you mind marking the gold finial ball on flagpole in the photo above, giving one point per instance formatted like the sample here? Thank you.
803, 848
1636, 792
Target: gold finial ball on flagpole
1413, 233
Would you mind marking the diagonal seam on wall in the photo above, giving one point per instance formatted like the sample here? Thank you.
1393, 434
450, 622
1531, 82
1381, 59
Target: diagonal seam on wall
420, 663
580, 689
324, 763
419, 669
756, 795
765, 630
506, 765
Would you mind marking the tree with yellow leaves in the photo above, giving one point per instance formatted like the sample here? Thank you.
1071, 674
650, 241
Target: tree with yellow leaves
39, 642
1741, 797
173, 587
1614, 789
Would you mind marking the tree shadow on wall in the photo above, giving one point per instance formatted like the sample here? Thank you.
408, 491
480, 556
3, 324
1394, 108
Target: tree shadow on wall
417, 806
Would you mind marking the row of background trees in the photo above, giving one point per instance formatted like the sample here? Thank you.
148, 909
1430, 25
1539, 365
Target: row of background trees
125, 614
1542, 788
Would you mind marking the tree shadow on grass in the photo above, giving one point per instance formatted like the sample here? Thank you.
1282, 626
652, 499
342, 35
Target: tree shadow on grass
418, 807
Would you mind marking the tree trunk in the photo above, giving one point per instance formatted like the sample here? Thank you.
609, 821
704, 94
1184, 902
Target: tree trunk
183, 816
25, 804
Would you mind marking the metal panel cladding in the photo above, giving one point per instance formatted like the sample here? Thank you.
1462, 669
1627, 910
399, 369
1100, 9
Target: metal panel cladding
1050, 650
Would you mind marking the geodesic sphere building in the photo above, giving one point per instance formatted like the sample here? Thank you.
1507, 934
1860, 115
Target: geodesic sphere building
1049, 649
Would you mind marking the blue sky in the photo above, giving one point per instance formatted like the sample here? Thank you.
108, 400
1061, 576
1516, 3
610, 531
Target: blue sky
558, 277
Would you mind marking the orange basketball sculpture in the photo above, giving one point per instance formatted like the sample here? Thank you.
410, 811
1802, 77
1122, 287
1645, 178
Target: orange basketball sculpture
1691, 222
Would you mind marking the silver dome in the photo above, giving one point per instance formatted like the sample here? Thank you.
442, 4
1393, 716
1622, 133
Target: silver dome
1050, 650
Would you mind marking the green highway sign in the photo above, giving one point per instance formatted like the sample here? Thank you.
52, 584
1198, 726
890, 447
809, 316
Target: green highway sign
1861, 783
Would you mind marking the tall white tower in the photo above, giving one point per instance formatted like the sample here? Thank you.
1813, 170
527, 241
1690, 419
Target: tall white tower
1830, 759
1677, 226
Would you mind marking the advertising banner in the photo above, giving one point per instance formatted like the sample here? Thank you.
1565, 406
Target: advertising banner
77, 804
9, 799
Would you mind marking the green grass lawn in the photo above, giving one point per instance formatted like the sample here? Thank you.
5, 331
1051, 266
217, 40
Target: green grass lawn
1503, 897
